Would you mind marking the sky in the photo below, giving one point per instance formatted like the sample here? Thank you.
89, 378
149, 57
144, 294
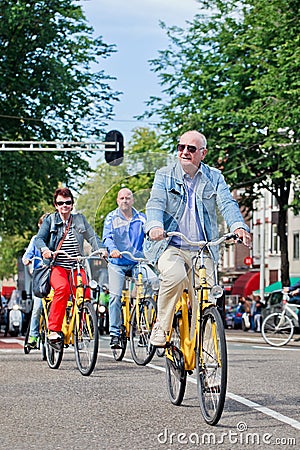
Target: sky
133, 26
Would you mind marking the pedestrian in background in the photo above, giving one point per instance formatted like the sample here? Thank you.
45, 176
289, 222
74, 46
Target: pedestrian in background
33, 252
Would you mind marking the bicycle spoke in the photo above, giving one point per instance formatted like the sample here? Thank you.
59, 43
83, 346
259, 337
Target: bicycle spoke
86, 340
277, 329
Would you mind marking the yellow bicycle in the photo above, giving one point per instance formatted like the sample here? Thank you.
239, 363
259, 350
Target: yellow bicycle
138, 314
80, 328
205, 348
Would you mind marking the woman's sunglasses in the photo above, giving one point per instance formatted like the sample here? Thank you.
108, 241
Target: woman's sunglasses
67, 202
190, 148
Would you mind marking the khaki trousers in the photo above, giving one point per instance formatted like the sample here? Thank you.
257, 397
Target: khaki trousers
175, 268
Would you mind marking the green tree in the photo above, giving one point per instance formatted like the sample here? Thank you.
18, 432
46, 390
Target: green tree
233, 74
144, 154
48, 91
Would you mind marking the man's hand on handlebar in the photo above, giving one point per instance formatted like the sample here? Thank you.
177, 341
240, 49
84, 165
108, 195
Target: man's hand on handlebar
115, 254
157, 234
244, 236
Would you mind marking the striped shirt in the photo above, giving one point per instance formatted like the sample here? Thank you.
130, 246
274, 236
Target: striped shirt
70, 246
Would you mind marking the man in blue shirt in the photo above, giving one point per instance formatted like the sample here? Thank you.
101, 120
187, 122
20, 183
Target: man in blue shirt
123, 231
185, 197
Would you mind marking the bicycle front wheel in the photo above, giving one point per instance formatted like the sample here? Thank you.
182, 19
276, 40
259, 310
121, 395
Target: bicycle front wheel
86, 339
175, 372
140, 329
277, 329
211, 366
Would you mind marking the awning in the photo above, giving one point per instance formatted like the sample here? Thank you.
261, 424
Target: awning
276, 286
245, 284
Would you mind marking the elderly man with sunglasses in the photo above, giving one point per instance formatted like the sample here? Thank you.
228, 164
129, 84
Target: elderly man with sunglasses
185, 197
68, 231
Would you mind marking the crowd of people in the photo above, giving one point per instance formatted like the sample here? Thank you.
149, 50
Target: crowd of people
185, 197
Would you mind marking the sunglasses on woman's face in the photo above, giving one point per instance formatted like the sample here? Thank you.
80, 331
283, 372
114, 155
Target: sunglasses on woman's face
190, 148
67, 202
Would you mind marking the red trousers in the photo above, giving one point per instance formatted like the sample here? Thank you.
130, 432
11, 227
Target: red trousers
60, 282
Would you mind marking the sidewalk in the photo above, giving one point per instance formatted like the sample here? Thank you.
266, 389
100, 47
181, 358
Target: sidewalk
253, 337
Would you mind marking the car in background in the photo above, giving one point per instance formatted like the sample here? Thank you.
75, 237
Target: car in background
233, 316
273, 304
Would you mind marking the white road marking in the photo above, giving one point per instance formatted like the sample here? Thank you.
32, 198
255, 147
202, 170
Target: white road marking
263, 409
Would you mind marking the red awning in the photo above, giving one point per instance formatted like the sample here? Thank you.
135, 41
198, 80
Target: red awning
245, 284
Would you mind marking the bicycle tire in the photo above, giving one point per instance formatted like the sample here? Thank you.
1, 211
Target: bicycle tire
54, 356
175, 372
26, 346
142, 351
118, 353
276, 333
43, 334
211, 366
86, 339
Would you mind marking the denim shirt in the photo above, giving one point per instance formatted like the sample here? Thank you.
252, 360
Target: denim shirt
168, 199
52, 230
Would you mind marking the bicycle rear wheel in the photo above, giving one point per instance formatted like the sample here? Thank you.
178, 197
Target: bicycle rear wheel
211, 366
277, 329
175, 372
26, 346
86, 339
141, 350
118, 353
43, 334
54, 356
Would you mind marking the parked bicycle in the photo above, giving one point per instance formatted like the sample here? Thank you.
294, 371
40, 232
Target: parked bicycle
138, 314
80, 328
277, 329
204, 347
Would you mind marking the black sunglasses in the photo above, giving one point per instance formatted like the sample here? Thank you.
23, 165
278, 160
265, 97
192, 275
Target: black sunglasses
190, 148
67, 202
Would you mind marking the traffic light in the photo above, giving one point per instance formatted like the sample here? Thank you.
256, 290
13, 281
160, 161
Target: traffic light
114, 158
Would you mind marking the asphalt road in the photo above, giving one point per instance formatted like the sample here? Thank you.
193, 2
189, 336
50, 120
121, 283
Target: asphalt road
124, 406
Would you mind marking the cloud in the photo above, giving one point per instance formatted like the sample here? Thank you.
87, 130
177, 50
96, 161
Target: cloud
137, 16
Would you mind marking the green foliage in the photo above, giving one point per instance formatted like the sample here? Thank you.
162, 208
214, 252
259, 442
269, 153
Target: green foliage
143, 156
10, 248
48, 91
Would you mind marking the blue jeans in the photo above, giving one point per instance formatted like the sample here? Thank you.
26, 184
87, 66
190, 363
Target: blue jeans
35, 317
116, 277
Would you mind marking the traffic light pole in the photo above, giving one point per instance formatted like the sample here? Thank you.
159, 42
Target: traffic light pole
66, 146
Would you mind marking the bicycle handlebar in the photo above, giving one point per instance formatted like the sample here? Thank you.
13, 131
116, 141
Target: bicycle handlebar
134, 258
225, 237
78, 258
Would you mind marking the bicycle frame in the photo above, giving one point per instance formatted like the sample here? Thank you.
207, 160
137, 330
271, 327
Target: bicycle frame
127, 294
139, 315
187, 344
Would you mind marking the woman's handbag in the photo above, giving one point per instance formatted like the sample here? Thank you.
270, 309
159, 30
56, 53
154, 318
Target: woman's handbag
41, 281
41, 286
